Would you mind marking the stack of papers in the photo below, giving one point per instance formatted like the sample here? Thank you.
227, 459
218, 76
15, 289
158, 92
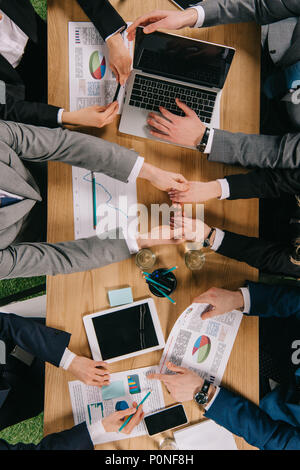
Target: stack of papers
205, 436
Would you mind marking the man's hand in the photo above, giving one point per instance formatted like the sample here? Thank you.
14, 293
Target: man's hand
90, 372
183, 385
182, 130
113, 422
162, 235
93, 116
193, 230
197, 192
164, 180
220, 301
119, 58
160, 19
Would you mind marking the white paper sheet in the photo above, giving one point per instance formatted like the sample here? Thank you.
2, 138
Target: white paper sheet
205, 436
116, 204
88, 403
201, 345
91, 84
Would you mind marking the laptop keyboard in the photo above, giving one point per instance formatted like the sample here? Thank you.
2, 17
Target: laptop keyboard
150, 93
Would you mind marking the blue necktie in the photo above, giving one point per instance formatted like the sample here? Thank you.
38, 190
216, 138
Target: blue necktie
7, 201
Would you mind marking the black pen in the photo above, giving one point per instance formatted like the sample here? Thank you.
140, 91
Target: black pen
117, 93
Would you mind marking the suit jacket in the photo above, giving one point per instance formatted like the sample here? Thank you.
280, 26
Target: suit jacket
18, 390
268, 256
21, 142
275, 425
17, 108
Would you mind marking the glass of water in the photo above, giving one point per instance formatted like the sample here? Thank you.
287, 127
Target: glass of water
145, 259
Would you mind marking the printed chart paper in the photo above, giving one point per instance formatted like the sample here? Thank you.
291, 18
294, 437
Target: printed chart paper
201, 345
116, 204
91, 404
91, 81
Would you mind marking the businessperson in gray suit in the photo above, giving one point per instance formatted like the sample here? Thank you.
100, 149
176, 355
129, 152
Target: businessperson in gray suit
281, 35
23, 249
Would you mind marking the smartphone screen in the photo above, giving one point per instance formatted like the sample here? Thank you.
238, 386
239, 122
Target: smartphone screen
165, 419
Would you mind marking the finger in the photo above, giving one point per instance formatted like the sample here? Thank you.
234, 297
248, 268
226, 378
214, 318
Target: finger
121, 414
188, 111
135, 420
212, 313
161, 136
170, 116
163, 377
180, 185
154, 124
154, 26
111, 109
101, 365
161, 120
141, 21
175, 368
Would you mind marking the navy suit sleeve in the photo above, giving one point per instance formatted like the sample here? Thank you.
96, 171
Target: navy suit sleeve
48, 344
265, 183
104, 17
270, 257
247, 420
274, 300
76, 438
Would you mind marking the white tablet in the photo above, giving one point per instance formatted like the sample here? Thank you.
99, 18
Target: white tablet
125, 331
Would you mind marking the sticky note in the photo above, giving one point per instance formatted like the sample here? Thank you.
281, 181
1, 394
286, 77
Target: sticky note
120, 296
114, 390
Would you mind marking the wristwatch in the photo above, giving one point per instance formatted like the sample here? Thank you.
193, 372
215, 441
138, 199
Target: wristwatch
206, 242
201, 398
203, 143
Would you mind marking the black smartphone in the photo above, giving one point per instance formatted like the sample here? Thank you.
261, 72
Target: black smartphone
165, 419
184, 4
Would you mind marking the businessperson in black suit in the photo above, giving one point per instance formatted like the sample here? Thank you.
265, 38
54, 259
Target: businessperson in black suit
280, 254
28, 345
275, 424
23, 64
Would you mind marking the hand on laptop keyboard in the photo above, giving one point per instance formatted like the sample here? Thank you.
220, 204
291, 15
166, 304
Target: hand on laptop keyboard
185, 130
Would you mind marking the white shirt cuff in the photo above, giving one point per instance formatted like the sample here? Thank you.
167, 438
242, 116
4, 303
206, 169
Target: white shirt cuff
59, 116
210, 141
218, 239
225, 188
132, 245
95, 431
247, 300
116, 32
136, 170
66, 359
213, 399
201, 16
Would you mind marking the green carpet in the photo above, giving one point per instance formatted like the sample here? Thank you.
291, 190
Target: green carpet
30, 431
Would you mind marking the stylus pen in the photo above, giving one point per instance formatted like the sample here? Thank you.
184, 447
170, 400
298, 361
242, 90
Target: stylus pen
170, 270
117, 92
131, 416
163, 293
94, 201
157, 283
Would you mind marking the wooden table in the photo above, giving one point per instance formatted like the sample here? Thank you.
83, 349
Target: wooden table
71, 297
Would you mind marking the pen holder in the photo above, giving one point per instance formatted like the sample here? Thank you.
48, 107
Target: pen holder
168, 280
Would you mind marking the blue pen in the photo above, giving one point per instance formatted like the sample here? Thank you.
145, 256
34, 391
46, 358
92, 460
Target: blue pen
165, 295
157, 283
94, 201
131, 416
170, 270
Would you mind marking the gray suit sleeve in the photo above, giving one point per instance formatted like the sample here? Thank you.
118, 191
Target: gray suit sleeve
260, 151
40, 144
37, 259
240, 11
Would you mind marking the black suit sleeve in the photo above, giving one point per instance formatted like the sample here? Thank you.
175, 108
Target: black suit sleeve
104, 17
269, 257
264, 184
39, 114
76, 438
48, 344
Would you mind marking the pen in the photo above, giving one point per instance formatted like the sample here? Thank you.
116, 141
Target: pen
117, 92
163, 293
169, 270
157, 283
131, 416
94, 201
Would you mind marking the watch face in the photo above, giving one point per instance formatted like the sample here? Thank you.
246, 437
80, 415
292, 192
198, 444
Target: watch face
201, 398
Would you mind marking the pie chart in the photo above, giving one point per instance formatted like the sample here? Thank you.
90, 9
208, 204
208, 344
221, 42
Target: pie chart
97, 65
201, 349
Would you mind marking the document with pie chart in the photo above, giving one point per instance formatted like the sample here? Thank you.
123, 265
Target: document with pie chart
201, 345
91, 82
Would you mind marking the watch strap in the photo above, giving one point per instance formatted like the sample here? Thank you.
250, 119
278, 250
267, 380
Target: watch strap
206, 242
203, 143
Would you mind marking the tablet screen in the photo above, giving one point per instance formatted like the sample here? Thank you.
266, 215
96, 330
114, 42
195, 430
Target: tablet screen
125, 331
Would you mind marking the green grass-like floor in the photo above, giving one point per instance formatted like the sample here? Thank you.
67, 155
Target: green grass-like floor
30, 431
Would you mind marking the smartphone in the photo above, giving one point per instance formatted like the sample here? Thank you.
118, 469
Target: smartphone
183, 4
165, 419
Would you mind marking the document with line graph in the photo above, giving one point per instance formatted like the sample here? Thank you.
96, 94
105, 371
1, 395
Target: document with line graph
116, 204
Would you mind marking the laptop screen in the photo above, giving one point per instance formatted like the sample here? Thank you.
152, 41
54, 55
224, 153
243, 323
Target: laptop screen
182, 59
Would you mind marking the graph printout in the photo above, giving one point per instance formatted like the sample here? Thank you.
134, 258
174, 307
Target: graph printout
91, 404
91, 81
116, 204
201, 345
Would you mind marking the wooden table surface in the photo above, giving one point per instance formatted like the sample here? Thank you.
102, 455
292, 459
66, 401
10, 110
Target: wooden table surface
70, 297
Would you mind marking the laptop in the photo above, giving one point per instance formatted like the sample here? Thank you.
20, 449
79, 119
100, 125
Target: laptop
165, 67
